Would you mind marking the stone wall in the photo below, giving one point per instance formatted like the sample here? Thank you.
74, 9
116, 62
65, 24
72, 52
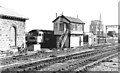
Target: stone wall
7, 33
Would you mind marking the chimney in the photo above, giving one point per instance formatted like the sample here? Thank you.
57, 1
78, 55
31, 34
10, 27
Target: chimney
77, 16
56, 15
62, 13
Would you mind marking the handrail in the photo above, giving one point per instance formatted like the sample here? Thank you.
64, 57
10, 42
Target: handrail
62, 39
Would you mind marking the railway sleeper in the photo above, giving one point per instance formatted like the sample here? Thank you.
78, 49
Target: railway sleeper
60, 61
92, 60
69, 58
13, 61
36, 68
25, 69
39, 66
8, 62
48, 63
45, 64
65, 69
57, 61
62, 69
79, 57
83, 55
87, 54
75, 57
36, 63
20, 70
70, 66
31, 68
63, 60
23, 66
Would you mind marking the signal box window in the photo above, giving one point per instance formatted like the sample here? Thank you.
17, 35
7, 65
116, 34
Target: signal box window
56, 26
61, 27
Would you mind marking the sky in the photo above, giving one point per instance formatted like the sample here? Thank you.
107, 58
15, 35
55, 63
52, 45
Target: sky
41, 13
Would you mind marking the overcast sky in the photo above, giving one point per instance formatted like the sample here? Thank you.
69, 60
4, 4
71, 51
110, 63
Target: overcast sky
41, 13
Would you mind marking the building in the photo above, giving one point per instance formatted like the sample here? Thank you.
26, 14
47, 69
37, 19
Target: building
69, 31
112, 32
12, 29
89, 39
96, 27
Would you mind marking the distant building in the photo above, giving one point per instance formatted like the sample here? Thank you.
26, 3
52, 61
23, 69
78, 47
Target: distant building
69, 31
89, 39
12, 29
112, 33
96, 27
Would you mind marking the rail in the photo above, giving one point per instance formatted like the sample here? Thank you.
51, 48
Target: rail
48, 62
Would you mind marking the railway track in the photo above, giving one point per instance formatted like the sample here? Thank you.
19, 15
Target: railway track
94, 63
74, 64
82, 64
39, 65
19, 58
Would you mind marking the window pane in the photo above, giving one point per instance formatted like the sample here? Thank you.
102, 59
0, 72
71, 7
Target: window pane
79, 27
34, 33
56, 26
76, 27
73, 26
61, 27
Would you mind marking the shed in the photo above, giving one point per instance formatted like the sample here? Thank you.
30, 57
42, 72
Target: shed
12, 29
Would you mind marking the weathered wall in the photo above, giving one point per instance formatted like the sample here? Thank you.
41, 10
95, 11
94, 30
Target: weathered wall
67, 42
74, 41
7, 33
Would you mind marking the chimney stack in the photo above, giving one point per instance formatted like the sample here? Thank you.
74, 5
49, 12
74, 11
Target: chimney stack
77, 16
56, 15
62, 13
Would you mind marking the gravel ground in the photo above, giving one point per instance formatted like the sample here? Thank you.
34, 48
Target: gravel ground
109, 65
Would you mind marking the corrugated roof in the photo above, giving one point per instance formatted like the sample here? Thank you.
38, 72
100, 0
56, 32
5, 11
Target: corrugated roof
71, 19
8, 12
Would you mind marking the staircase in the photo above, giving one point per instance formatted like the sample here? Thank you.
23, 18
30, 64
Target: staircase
62, 39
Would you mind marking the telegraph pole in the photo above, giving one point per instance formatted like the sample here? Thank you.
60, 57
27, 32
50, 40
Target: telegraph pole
106, 35
99, 29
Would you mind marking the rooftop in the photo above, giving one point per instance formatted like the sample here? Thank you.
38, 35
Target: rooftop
7, 12
70, 19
